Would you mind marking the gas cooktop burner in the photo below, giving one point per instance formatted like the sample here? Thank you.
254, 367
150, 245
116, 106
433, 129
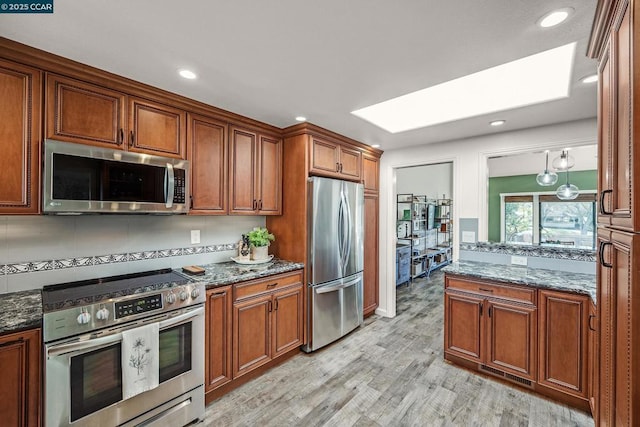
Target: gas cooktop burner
55, 297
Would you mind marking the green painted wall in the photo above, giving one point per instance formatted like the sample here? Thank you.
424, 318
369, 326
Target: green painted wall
585, 180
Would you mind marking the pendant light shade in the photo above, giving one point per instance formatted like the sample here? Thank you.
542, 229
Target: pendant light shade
564, 162
567, 191
547, 178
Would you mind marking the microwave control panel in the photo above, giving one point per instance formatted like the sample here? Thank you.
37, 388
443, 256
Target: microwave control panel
179, 192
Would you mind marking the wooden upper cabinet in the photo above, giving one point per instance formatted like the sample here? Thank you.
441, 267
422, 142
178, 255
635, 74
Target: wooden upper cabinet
255, 170
334, 160
20, 135
84, 113
371, 173
20, 358
207, 152
156, 128
270, 176
619, 172
563, 349
242, 171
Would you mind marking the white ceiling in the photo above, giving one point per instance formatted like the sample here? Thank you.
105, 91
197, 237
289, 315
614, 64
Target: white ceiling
274, 60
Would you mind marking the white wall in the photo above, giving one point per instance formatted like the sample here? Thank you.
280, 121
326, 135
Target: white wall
433, 181
469, 157
586, 159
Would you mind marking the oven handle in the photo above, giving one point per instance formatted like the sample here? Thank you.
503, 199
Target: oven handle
102, 341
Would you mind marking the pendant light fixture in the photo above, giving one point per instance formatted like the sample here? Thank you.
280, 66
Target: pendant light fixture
567, 191
564, 162
547, 178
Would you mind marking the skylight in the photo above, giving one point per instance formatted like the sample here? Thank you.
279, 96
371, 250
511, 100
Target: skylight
542, 77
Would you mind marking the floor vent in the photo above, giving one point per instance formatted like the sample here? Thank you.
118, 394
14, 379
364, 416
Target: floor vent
518, 379
492, 370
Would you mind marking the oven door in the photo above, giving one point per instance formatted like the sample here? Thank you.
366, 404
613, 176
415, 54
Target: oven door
83, 376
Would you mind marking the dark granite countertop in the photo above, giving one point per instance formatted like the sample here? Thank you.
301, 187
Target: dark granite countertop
228, 273
537, 277
20, 310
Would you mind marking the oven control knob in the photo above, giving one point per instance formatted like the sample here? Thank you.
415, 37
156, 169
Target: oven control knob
171, 298
183, 295
102, 314
84, 318
195, 293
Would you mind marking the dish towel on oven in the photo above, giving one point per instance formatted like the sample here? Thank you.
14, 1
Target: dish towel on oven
140, 364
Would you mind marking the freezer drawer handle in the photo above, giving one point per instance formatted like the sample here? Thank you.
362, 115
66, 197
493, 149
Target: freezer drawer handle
324, 290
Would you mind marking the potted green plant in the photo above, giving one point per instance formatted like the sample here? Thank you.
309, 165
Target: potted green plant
259, 239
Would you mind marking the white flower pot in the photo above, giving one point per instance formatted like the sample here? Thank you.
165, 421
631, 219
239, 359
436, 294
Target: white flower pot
259, 252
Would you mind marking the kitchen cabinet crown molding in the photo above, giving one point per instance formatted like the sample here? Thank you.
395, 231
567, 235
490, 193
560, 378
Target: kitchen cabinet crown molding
307, 128
601, 27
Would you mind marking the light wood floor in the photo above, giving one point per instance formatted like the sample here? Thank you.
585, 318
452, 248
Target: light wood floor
390, 372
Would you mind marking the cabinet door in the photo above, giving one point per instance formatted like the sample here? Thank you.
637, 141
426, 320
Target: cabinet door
20, 109
84, 113
462, 325
619, 319
156, 129
593, 361
350, 163
287, 320
563, 350
511, 338
325, 157
619, 172
370, 273
270, 176
207, 153
218, 313
21, 383
242, 171
370, 173
251, 334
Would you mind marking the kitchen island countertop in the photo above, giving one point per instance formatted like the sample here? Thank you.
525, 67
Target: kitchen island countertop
579, 283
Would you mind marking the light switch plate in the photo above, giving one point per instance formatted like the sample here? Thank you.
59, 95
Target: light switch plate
195, 237
519, 260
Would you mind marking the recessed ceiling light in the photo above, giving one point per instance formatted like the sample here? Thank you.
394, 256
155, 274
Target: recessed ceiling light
301, 119
590, 79
555, 17
375, 145
497, 122
531, 80
187, 74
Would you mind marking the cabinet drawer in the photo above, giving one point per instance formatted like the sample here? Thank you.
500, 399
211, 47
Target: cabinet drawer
266, 284
492, 290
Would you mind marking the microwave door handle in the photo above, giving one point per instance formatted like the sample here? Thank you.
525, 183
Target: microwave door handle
83, 345
169, 186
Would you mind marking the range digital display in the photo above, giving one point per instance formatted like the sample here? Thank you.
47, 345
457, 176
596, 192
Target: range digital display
139, 305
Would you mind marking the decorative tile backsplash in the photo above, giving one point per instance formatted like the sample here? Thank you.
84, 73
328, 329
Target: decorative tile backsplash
571, 254
57, 264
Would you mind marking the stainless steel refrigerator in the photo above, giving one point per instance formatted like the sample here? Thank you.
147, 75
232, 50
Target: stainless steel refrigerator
335, 261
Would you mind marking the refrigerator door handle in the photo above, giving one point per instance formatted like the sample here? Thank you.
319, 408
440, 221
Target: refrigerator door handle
349, 233
332, 288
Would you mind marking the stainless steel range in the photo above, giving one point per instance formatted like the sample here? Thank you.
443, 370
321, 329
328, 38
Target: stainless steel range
85, 324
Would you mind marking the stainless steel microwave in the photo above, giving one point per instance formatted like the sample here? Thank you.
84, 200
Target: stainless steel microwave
85, 179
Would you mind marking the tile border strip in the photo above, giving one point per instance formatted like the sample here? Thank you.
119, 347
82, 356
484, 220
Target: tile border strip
64, 263
571, 254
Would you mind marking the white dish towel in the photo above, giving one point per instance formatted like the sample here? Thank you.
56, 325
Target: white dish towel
140, 360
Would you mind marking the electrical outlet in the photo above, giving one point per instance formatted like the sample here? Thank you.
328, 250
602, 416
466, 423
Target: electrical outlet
519, 260
195, 237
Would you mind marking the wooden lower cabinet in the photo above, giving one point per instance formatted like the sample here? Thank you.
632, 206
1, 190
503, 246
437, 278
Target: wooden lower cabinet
498, 335
538, 338
266, 326
563, 347
20, 396
370, 273
218, 318
594, 361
